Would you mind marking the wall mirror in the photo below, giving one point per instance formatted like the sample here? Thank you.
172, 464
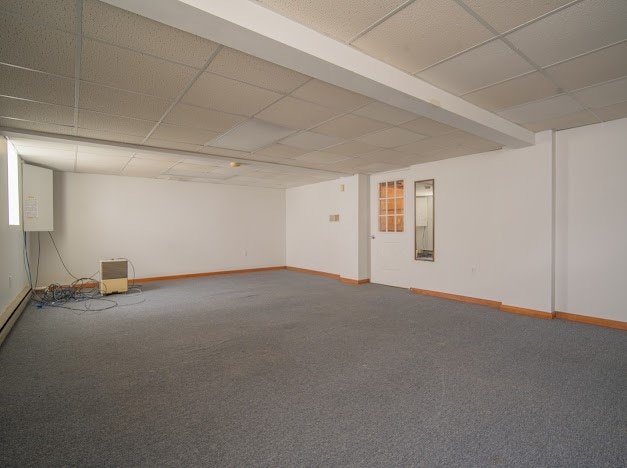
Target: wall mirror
424, 193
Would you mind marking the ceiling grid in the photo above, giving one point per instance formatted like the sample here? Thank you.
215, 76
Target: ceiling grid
87, 86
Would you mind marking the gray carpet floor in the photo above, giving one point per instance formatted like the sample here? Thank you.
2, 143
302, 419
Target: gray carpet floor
283, 368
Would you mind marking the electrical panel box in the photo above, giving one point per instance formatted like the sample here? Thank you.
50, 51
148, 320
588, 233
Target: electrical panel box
37, 200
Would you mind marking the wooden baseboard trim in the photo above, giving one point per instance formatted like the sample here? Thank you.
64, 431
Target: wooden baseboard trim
591, 320
196, 275
524, 311
329, 275
457, 297
313, 272
354, 281
13, 312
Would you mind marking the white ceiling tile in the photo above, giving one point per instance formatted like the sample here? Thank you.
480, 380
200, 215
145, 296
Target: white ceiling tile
386, 156
26, 84
504, 15
514, 92
613, 112
349, 126
295, 113
542, 110
194, 136
251, 135
373, 168
37, 126
330, 96
487, 64
177, 145
145, 167
59, 14
311, 141
352, 148
391, 138
223, 152
428, 127
321, 157
190, 169
36, 111
112, 101
132, 71
231, 171
341, 20
123, 28
604, 94
268, 158
227, 95
173, 158
109, 136
561, 123
280, 151
597, 67
426, 145
29, 45
422, 34
349, 165
200, 161
201, 117
255, 71
91, 162
578, 29
105, 122
104, 151
385, 113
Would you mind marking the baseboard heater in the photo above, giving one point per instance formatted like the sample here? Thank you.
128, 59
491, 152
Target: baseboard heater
113, 276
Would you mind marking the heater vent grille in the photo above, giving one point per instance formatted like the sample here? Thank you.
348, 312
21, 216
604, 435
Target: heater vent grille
113, 276
113, 269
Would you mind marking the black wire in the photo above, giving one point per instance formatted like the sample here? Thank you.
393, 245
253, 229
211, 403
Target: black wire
38, 258
59, 254
82, 290
27, 262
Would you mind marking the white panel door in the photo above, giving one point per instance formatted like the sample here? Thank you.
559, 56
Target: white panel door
390, 229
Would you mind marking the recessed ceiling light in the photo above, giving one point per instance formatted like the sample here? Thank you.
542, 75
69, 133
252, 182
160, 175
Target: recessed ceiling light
251, 135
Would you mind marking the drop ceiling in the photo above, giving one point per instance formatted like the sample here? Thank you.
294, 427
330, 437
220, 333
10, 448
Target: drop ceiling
86, 86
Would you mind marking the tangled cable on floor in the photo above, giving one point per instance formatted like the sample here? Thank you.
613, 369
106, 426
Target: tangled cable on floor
83, 294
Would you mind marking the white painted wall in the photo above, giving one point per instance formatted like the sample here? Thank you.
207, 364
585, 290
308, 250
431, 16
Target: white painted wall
492, 226
163, 227
12, 271
591, 189
354, 228
312, 242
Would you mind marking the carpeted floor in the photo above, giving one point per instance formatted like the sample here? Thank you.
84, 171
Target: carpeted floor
283, 368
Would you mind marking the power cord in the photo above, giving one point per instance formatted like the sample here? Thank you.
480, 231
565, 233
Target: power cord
82, 294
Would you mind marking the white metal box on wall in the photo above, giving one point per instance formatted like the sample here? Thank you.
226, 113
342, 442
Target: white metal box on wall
37, 201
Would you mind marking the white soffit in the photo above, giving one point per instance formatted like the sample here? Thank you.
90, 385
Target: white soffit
253, 29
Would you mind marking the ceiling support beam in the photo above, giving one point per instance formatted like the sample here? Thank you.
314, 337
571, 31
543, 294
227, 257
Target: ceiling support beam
145, 149
246, 26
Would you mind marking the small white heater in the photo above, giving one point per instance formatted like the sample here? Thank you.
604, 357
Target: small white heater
113, 276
